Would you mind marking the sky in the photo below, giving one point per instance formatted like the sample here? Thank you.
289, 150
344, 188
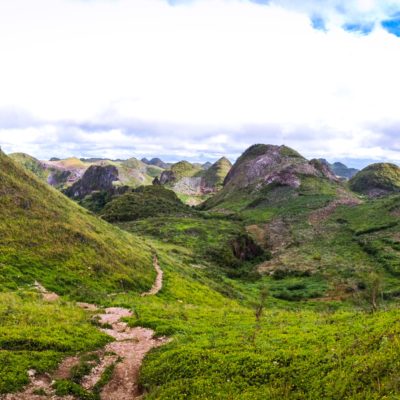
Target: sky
200, 79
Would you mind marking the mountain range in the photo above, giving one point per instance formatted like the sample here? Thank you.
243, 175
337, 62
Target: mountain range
273, 277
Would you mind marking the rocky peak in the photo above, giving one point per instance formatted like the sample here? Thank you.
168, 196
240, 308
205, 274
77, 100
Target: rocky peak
261, 165
96, 178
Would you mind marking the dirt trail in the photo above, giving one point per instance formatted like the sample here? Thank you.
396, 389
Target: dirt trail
322, 214
157, 286
126, 353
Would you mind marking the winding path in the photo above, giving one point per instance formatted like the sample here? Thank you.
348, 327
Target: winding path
157, 286
126, 353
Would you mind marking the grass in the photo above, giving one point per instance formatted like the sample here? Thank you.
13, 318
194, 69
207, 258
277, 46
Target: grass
48, 238
304, 330
146, 201
38, 335
220, 350
381, 176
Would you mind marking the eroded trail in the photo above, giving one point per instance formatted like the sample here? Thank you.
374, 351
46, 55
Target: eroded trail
319, 216
125, 354
157, 286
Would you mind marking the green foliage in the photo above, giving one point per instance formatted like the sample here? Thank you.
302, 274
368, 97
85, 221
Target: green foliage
222, 242
183, 169
96, 201
65, 388
215, 175
31, 164
146, 201
46, 237
37, 335
381, 177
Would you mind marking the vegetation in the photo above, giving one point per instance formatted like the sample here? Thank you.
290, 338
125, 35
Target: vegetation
183, 169
275, 292
146, 201
48, 238
215, 175
379, 178
38, 335
31, 164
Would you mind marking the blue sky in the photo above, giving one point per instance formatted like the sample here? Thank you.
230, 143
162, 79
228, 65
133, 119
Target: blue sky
200, 79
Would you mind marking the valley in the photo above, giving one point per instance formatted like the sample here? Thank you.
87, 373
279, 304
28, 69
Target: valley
275, 278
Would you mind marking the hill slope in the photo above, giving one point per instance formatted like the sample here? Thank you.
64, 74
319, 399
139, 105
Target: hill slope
377, 179
215, 175
265, 176
47, 237
31, 163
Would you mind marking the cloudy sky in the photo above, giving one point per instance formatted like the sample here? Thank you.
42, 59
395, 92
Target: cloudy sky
200, 79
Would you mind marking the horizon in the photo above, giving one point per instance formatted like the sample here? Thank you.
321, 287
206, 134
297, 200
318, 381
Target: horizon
200, 79
358, 164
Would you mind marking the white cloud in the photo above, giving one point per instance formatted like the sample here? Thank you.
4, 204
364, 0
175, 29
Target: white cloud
212, 67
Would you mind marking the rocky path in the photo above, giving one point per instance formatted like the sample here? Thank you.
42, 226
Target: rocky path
322, 214
157, 286
125, 354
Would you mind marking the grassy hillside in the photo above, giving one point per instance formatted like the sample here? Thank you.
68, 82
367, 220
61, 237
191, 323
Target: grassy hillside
215, 175
377, 179
313, 316
264, 176
38, 335
184, 169
235, 339
31, 164
143, 202
47, 237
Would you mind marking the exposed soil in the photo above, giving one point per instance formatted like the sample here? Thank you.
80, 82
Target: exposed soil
322, 214
157, 286
126, 353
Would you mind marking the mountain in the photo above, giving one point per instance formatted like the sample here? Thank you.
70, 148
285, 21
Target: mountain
206, 165
287, 286
271, 172
62, 174
95, 178
31, 164
377, 179
215, 175
143, 202
192, 180
340, 170
156, 162
48, 238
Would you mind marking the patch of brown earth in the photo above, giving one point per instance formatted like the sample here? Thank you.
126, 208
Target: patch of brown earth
46, 295
126, 352
157, 286
322, 214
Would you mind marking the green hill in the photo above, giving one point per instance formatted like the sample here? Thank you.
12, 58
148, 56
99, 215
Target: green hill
267, 180
144, 202
31, 163
377, 179
215, 175
47, 237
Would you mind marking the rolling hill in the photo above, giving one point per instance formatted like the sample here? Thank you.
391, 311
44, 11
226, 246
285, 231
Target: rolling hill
47, 237
377, 179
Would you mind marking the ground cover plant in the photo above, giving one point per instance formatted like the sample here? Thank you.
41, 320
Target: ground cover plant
35, 334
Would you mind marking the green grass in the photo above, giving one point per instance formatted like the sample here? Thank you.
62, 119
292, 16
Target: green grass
47, 237
38, 335
236, 334
207, 239
380, 176
146, 201
31, 164
220, 350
